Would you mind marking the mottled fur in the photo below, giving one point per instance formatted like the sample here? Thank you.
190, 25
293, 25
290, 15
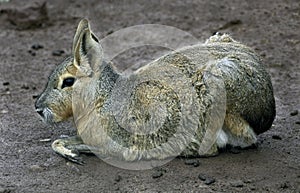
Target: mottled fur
250, 107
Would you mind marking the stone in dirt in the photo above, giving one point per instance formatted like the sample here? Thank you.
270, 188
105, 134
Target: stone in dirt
284, 185
37, 46
193, 162
237, 184
158, 173
276, 137
202, 177
118, 178
25, 87
207, 179
294, 113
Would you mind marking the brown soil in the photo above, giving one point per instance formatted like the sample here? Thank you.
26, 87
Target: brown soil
34, 38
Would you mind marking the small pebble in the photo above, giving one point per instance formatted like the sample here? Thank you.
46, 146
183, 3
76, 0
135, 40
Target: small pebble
158, 173
58, 52
5, 83
252, 188
37, 46
31, 52
207, 179
276, 137
294, 113
118, 178
285, 185
202, 177
35, 96
297, 122
196, 164
192, 162
25, 87
237, 184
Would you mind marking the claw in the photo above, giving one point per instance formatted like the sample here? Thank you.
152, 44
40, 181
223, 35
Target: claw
76, 159
71, 155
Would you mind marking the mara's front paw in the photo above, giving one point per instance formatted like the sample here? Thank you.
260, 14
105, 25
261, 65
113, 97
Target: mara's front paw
70, 154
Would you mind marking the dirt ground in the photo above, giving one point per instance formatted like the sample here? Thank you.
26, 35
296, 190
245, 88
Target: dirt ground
35, 37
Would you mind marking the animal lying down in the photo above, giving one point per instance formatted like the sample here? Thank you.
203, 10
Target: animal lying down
189, 102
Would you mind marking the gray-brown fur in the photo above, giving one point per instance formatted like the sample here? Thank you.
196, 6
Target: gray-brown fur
55, 103
250, 107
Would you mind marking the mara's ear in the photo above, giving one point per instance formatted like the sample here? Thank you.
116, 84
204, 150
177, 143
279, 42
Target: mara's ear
87, 51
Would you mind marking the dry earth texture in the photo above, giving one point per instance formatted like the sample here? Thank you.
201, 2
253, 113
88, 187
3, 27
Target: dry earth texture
35, 36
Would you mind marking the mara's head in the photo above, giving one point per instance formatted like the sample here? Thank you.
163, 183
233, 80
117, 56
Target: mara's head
55, 103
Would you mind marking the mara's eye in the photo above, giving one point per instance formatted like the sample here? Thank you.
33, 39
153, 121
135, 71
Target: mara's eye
68, 82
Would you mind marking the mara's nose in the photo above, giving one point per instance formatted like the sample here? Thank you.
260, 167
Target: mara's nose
40, 111
38, 107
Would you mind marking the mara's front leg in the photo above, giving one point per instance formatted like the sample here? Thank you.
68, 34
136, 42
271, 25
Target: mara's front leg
70, 148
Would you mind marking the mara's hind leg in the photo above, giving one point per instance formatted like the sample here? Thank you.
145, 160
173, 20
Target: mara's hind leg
192, 152
213, 151
239, 133
70, 148
220, 142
